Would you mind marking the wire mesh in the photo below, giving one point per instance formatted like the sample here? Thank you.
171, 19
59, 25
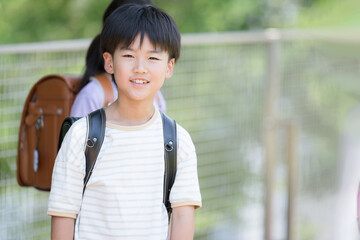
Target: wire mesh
218, 94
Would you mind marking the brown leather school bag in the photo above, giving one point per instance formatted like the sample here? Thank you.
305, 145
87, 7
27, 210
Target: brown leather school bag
47, 104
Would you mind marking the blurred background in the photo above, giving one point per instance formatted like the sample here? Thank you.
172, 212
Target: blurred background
268, 89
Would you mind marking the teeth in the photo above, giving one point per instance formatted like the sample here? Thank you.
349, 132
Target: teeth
140, 81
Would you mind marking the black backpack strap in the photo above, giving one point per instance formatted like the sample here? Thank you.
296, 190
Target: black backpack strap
95, 139
170, 155
68, 121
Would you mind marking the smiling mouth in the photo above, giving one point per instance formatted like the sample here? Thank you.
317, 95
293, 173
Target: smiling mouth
137, 81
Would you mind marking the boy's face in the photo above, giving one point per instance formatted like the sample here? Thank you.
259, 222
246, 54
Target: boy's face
139, 70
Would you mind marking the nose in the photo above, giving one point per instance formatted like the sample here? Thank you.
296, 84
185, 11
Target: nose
140, 65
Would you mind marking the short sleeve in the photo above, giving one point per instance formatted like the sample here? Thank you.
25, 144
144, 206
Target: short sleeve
68, 173
186, 190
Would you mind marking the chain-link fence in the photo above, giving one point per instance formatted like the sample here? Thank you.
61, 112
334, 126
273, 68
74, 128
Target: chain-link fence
258, 107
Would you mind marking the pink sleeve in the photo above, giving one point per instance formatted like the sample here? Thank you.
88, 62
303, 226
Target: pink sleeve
90, 98
160, 102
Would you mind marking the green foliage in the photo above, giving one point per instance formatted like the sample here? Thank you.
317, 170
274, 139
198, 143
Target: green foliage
325, 13
210, 16
42, 20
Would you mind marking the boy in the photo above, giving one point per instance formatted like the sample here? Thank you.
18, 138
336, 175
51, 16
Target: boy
123, 198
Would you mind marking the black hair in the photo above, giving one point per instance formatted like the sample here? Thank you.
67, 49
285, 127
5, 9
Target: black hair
126, 22
117, 3
94, 64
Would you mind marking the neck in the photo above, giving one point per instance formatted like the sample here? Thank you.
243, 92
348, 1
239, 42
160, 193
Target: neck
129, 114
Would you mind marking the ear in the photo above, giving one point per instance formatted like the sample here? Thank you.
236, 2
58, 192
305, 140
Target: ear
108, 63
170, 68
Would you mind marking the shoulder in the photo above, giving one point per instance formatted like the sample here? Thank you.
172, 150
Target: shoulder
92, 90
75, 137
79, 126
91, 87
78, 129
182, 132
185, 143
90, 98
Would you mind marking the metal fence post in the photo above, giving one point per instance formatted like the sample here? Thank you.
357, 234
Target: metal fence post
292, 140
270, 124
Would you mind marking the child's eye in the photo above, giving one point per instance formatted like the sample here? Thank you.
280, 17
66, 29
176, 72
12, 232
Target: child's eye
154, 58
128, 56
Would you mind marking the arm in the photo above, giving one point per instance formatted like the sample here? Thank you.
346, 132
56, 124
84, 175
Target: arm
182, 226
62, 228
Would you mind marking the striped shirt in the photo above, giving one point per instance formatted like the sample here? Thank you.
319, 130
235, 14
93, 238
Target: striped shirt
123, 198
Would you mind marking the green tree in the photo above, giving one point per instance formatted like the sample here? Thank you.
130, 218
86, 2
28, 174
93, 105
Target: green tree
42, 20
325, 13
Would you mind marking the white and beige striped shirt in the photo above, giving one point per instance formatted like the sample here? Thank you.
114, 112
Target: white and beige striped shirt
123, 198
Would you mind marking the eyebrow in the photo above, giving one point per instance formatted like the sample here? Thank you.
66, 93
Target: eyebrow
151, 51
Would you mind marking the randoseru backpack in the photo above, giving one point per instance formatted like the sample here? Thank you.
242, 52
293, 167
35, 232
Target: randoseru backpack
47, 104
96, 132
